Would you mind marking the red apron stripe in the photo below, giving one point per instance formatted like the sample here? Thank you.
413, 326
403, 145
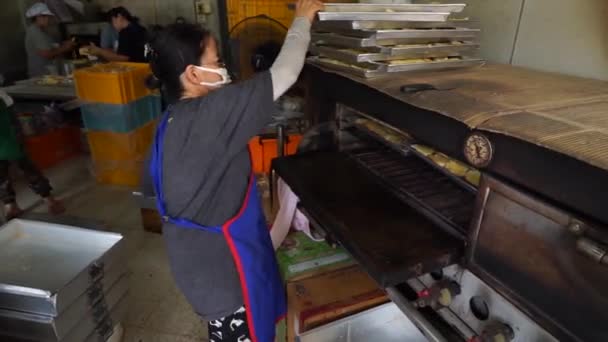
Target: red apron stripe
239, 264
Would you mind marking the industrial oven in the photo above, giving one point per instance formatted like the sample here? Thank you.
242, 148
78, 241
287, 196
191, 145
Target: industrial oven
476, 198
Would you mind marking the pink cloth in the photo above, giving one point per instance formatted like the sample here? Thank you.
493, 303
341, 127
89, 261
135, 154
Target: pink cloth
288, 216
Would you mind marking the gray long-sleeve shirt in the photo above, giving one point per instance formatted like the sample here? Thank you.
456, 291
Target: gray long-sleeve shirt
206, 170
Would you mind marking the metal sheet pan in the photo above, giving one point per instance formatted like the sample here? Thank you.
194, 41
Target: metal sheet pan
385, 323
384, 16
383, 34
333, 26
51, 329
52, 265
395, 53
366, 42
87, 330
368, 70
349, 7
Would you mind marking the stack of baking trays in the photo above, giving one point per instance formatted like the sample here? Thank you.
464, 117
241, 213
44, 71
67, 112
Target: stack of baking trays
376, 39
60, 283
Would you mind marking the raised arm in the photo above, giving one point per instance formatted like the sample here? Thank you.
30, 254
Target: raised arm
289, 63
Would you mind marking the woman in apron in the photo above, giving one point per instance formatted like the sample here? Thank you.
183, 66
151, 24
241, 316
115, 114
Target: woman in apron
218, 243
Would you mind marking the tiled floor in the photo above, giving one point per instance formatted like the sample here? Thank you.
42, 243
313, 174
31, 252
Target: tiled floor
158, 312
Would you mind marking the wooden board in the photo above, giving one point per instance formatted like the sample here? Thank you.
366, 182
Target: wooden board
323, 299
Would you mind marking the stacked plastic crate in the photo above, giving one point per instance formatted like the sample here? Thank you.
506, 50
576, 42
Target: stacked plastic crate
120, 116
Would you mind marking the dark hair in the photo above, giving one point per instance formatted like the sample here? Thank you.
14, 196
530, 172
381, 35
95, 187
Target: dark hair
171, 51
116, 11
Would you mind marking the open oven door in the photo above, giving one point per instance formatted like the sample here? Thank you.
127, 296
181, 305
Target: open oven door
391, 241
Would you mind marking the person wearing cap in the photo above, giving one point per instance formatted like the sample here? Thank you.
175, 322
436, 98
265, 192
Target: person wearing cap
40, 48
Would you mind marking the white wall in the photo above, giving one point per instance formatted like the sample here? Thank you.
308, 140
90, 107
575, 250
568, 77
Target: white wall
565, 36
568, 36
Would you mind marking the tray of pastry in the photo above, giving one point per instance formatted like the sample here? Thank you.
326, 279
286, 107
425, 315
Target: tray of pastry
383, 34
391, 8
384, 16
387, 53
375, 69
359, 42
338, 26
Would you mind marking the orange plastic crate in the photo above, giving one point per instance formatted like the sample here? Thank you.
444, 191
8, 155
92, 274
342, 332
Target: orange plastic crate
96, 84
264, 150
112, 146
127, 173
53, 147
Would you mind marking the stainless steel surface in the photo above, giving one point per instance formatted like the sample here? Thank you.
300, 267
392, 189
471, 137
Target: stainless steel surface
500, 309
29, 89
394, 53
594, 250
280, 140
433, 65
526, 250
348, 7
386, 16
434, 50
427, 329
382, 69
390, 34
458, 33
101, 332
50, 329
52, 265
370, 42
333, 26
385, 323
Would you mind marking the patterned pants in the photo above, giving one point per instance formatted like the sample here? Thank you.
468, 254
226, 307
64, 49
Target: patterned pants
233, 328
36, 180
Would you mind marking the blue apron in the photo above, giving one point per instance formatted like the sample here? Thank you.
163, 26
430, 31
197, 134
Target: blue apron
249, 240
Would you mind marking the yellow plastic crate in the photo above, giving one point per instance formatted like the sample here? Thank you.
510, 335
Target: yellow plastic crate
112, 146
127, 173
278, 10
113, 83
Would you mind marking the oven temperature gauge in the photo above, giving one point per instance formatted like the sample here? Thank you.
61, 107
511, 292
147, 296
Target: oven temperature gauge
478, 150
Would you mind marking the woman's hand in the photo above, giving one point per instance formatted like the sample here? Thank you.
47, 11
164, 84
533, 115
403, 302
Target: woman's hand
93, 49
308, 8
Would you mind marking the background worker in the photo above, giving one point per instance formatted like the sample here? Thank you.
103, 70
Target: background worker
40, 47
11, 151
132, 38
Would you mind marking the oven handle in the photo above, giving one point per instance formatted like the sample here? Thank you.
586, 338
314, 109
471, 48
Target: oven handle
593, 250
427, 329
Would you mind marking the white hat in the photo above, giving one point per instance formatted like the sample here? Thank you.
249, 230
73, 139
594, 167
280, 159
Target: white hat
37, 9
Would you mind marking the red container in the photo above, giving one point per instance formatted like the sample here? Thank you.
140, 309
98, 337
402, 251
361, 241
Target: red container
49, 149
264, 150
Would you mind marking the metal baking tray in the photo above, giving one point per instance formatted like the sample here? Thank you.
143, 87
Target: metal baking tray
52, 265
375, 69
87, 331
456, 33
350, 7
384, 16
336, 26
395, 53
363, 42
384, 323
51, 329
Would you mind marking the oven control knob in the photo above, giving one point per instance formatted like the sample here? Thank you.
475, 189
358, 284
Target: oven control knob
439, 295
497, 332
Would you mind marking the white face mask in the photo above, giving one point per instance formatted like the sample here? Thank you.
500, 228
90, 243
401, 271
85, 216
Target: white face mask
223, 72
